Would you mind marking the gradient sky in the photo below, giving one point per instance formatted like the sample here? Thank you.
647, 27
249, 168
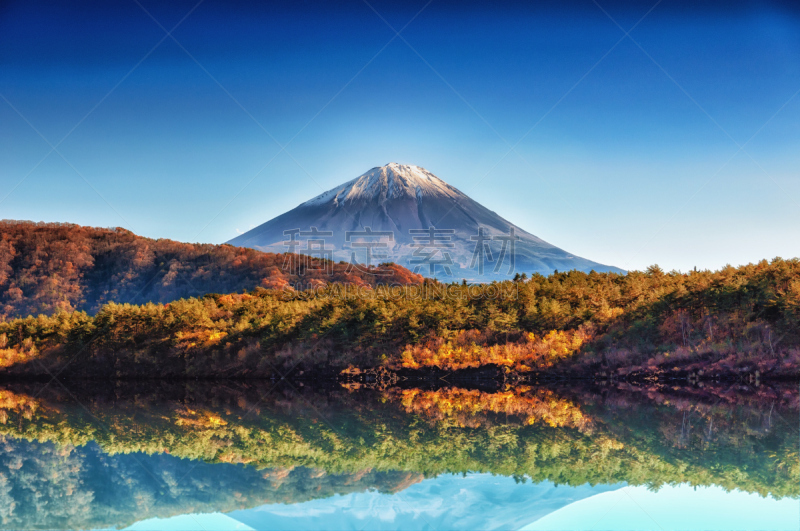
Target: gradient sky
678, 145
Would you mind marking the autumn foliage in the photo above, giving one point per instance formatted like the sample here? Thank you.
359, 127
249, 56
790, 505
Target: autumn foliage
473, 408
567, 435
466, 351
15, 403
734, 321
50, 267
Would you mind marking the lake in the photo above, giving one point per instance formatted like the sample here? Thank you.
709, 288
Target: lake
283, 455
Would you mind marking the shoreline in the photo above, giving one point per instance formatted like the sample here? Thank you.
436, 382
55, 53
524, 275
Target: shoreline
483, 376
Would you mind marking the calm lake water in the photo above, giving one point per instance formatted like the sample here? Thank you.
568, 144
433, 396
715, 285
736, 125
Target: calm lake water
230, 455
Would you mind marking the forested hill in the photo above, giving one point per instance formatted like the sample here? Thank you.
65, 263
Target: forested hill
46, 267
55, 486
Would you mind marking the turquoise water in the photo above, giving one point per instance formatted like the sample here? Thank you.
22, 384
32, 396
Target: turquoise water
483, 501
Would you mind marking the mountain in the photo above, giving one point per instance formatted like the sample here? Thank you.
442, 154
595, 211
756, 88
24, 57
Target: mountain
51, 486
449, 501
46, 267
404, 202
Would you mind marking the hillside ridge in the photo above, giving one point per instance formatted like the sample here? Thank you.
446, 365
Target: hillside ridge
47, 267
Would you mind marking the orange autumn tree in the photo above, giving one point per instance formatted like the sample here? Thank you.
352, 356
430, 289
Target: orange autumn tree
15, 403
530, 352
473, 408
10, 355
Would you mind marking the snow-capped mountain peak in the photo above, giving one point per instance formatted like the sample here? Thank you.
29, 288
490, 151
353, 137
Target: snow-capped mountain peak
393, 181
424, 223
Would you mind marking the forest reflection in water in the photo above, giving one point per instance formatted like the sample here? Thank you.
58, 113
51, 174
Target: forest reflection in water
272, 456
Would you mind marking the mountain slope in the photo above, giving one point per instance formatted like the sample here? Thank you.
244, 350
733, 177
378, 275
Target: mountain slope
46, 267
399, 199
474, 501
52, 486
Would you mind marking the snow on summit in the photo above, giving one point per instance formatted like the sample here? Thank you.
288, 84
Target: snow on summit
429, 221
393, 181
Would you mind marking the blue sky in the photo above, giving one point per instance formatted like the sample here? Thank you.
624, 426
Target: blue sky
626, 150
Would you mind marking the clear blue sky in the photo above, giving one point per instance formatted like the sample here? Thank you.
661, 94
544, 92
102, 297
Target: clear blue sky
626, 150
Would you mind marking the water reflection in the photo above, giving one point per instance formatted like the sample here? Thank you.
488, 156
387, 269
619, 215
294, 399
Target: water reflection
677, 508
401, 458
477, 501
491, 502
50, 486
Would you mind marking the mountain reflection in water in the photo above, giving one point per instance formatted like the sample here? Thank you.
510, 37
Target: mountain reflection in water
483, 501
447, 458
